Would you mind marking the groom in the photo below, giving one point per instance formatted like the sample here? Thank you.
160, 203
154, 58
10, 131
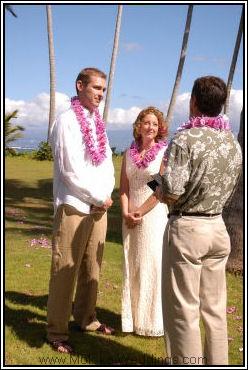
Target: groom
82, 187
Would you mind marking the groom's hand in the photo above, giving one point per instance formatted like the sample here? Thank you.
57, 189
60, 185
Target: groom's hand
108, 203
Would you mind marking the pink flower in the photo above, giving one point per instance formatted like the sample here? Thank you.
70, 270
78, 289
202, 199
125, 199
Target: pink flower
96, 151
218, 123
149, 156
33, 242
42, 242
231, 309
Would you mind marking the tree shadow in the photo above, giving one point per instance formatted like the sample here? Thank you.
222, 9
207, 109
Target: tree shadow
38, 301
27, 325
92, 348
16, 191
104, 350
35, 210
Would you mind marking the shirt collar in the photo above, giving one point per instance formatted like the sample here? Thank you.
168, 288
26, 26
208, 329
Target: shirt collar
88, 114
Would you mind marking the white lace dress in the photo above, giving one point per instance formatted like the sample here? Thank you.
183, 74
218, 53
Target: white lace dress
141, 295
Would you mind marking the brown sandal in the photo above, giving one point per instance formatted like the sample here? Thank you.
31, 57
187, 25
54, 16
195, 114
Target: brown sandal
104, 329
61, 346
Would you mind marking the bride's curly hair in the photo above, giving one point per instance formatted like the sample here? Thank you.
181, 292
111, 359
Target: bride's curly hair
162, 125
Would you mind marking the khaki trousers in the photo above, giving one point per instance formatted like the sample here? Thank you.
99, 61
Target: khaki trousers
193, 285
78, 242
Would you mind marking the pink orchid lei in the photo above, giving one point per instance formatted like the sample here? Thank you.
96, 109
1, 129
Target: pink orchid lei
218, 123
97, 152
148, 157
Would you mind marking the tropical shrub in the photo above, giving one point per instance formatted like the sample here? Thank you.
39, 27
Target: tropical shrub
44, 152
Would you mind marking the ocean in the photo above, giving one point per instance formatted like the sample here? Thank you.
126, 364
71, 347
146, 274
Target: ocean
118, 139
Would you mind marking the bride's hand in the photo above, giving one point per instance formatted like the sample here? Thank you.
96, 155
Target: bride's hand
132, 219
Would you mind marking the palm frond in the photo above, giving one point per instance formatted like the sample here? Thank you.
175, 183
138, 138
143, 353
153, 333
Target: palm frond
10, 9
12, 132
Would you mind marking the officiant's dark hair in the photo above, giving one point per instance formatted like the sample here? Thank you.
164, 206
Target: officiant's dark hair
210, 94
86, 73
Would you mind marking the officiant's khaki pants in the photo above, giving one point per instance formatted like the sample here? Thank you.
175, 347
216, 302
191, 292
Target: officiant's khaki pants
193, 285
78, 242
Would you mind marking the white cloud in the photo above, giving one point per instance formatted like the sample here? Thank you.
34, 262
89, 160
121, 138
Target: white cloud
236, 105
122, 118
199, 58
132, 46
202, 58
34, 114
181, 112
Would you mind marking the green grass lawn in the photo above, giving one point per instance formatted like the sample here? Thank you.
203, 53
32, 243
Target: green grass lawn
28, 215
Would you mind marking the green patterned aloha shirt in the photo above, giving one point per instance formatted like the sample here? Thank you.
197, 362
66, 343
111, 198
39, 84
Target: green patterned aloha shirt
202, 167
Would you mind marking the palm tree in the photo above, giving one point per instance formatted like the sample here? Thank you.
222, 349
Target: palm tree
233, 217
233, 63
113, 62
10, 9
52, 69
180, 65
12, 132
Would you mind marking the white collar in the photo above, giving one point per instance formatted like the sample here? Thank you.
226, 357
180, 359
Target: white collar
87, 113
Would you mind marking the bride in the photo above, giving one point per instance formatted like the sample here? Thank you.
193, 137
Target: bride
143, 238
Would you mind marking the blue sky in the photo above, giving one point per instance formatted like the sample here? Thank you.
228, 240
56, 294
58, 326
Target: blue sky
150, 45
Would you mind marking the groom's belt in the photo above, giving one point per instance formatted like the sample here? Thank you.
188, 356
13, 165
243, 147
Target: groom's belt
178, 213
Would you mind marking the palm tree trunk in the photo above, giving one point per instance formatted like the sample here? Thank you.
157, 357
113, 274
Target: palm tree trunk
10, 9
180, 65
233, 64
113, 62
233, 217
52, 69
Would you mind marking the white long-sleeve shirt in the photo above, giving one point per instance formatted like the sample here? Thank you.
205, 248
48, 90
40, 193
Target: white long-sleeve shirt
77, 181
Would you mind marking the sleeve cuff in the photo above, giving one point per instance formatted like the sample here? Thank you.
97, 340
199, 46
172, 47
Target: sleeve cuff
157, 178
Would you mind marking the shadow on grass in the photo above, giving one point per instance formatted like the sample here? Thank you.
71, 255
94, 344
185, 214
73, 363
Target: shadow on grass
30, 206
26, 325
89, 347
39, 219
40, 302
16, 191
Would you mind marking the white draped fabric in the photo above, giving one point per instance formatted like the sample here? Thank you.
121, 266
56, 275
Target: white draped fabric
76, 179
141, 296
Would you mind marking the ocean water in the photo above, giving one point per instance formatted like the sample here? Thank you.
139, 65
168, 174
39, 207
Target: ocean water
119, 139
